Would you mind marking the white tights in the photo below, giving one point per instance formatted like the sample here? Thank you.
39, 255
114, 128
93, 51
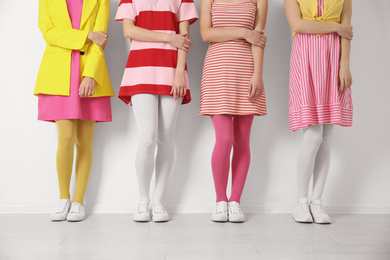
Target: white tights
314, 159
156, 117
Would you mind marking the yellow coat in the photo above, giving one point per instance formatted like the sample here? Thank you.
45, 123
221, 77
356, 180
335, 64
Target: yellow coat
331, 14
61, 38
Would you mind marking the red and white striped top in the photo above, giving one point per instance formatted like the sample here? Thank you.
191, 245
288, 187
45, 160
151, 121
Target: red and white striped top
228, 66
151, 66
314, 74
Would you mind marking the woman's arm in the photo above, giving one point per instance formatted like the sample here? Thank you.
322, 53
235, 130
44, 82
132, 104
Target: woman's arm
66, 38
95, 55
299, 25
131, 31
256, 85
210, 34
345, 72
179, 88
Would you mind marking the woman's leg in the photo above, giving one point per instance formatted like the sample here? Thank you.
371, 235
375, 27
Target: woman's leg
145, 108
241, 154
322, 162
220, 160
312, 139
168, 113
66, 141
84, 140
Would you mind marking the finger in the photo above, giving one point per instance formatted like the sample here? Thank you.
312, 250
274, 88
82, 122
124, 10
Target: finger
342, 86
346, 85
185, 92
81, 91
190, 42
93, 91
249, 89
90, 92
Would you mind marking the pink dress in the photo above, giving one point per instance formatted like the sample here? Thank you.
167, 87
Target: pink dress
314, 74
53, 107
151, 66
228, 66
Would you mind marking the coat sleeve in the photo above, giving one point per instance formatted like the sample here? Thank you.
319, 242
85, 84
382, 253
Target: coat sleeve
96, 63
59, 36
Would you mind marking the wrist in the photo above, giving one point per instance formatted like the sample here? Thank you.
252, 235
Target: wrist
344, 63
336, 27
245, 33
180, 70
258, 73
168, 38
89, 37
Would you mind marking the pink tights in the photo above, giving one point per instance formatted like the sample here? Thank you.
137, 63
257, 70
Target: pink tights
231, 131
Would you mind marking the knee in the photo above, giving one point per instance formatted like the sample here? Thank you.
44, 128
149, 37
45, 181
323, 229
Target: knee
314, 141
66, 138
147, 143
225, 141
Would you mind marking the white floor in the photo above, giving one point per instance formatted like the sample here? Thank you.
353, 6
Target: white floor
194, 237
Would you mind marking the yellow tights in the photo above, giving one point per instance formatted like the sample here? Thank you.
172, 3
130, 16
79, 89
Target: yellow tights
70, 132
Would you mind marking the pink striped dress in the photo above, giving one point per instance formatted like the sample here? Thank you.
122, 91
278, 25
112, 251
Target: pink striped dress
314, 74
151, 66
228, 66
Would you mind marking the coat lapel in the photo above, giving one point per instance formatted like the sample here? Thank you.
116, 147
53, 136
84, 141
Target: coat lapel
63, 10
88, 7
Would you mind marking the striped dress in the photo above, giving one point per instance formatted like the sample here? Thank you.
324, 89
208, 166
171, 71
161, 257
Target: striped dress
151, 66
228, 66
314, 76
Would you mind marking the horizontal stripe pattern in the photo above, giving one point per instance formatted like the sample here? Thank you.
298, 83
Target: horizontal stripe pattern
314, 75
228, 66
151, 66
150, 75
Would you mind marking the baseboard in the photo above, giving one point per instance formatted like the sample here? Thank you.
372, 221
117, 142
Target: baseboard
187, 208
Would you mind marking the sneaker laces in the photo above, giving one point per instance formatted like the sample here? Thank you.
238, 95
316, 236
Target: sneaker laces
304, 206
317, 207
235, 208
143, 207
62, 206
220, 208
76, 208
159, 208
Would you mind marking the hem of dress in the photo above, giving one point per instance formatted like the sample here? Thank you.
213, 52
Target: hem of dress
319, 115
98, 120
232, 113
126, 97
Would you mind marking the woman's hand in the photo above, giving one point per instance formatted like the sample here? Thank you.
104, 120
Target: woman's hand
180, 41
345, 78
179, 89
256, 38
256, 87
100, 38
87, 87
345, 31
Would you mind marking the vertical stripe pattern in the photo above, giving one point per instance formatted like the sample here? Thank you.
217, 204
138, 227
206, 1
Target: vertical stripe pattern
228, 66
314, 81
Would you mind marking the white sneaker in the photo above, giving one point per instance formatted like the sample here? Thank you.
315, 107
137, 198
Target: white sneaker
142, 214
301, 212
235, 213
61, 211
318, 213
221, 213
76, 213
159, 212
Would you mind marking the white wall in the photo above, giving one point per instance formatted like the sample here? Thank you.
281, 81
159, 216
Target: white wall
360, 171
